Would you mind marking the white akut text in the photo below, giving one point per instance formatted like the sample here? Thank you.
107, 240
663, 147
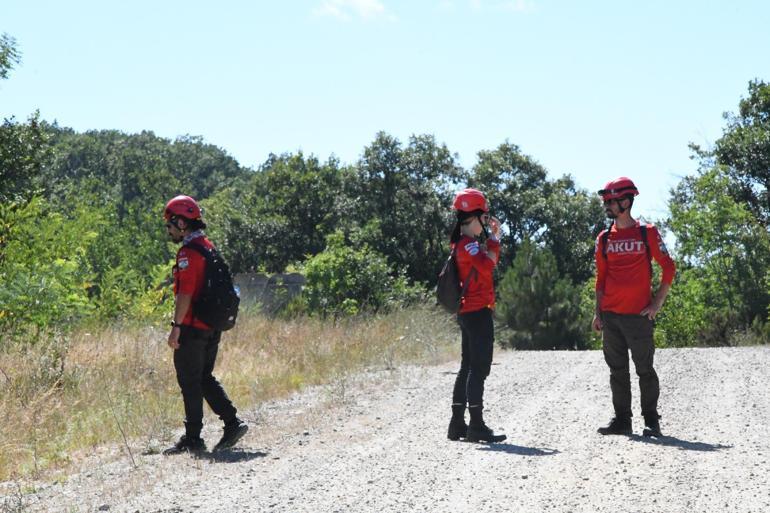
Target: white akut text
625, 246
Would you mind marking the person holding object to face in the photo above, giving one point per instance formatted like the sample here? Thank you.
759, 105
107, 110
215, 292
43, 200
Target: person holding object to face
625, 306
194, 343
476, 262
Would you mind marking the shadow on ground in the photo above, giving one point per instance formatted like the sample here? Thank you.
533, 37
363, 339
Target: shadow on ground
517, 449
232, 456
685, 445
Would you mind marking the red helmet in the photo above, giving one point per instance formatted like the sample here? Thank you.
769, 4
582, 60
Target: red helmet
470, 200
182, 206
618, 188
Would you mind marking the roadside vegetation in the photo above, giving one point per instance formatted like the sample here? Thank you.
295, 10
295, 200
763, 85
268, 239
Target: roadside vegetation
66, 396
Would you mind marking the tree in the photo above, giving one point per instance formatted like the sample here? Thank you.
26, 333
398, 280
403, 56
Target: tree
744, 149
724, 247
24, 151
9, 55
402, 198
551, 212
281, 214
541, 310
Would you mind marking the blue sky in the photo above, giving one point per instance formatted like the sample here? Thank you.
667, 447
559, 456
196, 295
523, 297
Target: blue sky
594, 89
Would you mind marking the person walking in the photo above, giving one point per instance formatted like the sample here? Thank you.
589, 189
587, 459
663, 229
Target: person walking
194, 343
625, 306
475, 262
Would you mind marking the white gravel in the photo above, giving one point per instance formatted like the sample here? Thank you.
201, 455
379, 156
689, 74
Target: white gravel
377, 443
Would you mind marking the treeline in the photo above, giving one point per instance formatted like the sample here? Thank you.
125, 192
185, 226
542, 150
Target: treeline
81, 236
81, 213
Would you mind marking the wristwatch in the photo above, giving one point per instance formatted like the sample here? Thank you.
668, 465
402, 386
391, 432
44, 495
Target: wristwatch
175, 324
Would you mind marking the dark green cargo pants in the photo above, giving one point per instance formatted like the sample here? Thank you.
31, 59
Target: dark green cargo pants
621, 333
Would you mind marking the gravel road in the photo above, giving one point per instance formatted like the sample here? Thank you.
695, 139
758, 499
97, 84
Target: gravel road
376, 443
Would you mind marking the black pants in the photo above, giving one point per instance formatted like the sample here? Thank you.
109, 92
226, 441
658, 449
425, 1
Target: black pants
478, 338
194, 362
621, 333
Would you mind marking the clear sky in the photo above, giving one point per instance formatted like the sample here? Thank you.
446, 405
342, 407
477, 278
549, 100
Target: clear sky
595, 89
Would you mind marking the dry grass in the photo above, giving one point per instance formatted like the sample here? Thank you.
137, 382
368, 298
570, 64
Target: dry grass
61, 398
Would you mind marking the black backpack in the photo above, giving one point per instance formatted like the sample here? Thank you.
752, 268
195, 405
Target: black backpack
217, 304
643, 229
449, 294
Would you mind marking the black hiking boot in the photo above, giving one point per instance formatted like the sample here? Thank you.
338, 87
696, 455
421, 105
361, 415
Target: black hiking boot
457, 426
617, 426
233, 432
193, 445
482, 433
651, 425
457, 429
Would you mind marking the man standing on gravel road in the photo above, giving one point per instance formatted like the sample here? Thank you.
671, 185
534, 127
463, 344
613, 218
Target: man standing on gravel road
195, 343
625, 307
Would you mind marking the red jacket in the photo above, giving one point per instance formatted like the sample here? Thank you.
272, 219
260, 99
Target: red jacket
481, 290
189, 273
624, 276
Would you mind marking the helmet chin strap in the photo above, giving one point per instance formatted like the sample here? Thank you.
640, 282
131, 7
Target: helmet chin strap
483, 227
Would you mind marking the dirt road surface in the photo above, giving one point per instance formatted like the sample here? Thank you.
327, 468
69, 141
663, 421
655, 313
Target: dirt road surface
377, 443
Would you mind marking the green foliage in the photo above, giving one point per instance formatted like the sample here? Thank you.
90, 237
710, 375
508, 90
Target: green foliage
402, 199
592, 339
541, 309
280, 214
745, 150
553, 213
43, 266
345, 279
23, 153
9, 55
690, 317
725, 252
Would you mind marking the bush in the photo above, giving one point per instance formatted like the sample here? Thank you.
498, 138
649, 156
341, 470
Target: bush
345, 280
42, 267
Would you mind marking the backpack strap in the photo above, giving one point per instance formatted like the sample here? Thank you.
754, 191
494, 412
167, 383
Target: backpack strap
205, 252
643, 229
472, 274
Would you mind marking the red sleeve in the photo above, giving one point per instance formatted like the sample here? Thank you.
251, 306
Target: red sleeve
190, 267
478, 258
601, 264
660, 254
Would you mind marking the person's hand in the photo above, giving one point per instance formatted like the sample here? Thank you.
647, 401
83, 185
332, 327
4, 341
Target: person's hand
494, 225
173, 337
597, 323
651, 310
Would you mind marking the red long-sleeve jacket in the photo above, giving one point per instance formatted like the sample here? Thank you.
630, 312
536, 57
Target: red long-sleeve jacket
624, 275
189, 274
481, 289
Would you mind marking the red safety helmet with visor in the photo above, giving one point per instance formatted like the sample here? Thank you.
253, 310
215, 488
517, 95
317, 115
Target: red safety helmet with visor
470, 200
182, 206
618, 188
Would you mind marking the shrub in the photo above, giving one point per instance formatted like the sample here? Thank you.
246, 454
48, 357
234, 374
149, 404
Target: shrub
344, 280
